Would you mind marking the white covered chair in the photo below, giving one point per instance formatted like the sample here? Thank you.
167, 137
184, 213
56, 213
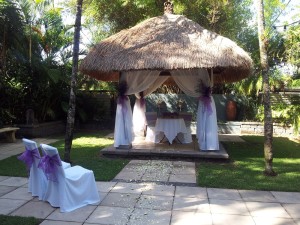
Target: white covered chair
37, 181
69, 188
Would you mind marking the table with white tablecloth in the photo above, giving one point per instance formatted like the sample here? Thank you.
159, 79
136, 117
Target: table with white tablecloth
169, 128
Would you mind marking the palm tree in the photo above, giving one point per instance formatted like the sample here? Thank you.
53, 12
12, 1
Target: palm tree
268, 124
72, 100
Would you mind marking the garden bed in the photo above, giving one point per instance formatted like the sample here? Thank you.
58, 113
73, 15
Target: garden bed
41, 129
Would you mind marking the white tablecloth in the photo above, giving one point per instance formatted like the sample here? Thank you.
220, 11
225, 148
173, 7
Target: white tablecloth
169, 128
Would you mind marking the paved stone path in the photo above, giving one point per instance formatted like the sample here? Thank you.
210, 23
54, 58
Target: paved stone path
160, 172
148, 203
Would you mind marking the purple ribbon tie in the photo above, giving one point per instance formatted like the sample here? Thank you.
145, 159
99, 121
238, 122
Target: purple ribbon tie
49, 164
122, 101
142, 102
207, 104
205, 98
28, 157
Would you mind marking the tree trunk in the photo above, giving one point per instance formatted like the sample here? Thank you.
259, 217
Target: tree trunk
72, 100
268, 124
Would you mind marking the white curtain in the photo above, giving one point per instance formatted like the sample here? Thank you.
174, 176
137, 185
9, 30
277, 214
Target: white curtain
189, 82
137, 81
123, 125
139, 118
147, 81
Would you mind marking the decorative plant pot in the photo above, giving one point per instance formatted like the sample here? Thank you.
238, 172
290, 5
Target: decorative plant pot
231, 110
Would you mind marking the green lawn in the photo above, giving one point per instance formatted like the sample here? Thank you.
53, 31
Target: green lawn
17, 220
245, 169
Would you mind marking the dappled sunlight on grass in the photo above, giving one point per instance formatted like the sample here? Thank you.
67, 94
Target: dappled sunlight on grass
245, 171
91, 141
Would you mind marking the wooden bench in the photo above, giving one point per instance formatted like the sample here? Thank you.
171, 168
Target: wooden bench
9, 133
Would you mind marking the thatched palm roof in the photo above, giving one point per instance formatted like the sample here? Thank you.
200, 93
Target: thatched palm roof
168, 42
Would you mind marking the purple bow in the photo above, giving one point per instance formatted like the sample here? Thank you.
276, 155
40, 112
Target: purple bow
205, 98
142, 102
49, 164
28, 157
122, 101
207, 104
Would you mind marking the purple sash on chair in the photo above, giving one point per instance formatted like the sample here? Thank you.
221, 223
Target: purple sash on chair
49, 164
28, 157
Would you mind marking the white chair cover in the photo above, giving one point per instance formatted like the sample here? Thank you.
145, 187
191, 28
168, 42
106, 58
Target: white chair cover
69, 188
37, 181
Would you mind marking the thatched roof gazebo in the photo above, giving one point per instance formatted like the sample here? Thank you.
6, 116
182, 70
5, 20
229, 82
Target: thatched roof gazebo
168, 42
145, 55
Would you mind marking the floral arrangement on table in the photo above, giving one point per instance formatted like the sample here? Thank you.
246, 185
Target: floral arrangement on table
205, 94
170, 115
180, 104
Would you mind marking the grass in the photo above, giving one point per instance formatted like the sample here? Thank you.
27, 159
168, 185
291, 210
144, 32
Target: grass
17, 220
245, 169
85, 152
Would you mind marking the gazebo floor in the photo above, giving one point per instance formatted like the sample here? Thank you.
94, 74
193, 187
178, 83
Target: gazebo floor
148, 150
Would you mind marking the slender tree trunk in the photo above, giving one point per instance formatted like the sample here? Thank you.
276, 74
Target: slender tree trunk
72, 100
268, 124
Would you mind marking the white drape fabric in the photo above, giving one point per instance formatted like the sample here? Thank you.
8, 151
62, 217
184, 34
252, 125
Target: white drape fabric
207, 129
138, 117
138, 81
123, 134
148, 81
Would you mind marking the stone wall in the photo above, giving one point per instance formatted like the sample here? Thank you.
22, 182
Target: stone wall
253, 128
41, 129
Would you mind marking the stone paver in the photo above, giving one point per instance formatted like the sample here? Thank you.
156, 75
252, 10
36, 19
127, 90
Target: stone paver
190, 192
14, 181
120, 199
266, 209
272, 221
9, 205
287, 197
150, 217
20, 193
191, 205
228, 207
51, 222
6, 189
293, 210
36, 209
217, 193
221, 219
110, 215
155, 202
191, 218
257, 196
79, 215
